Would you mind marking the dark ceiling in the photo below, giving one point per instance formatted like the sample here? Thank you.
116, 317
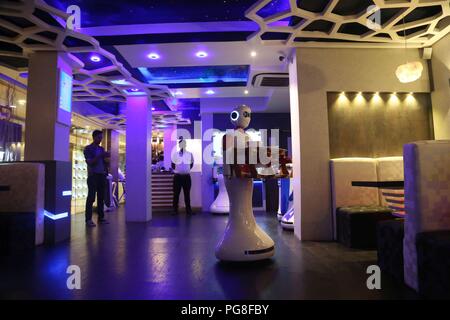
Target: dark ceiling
107, 12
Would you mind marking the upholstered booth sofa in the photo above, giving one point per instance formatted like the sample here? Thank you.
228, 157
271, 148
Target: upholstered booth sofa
21, 206
427, 220
357, 210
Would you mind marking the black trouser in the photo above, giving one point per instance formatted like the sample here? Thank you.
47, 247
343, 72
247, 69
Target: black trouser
96, 185
182, 181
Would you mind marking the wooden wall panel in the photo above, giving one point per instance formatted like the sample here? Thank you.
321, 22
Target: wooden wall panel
369, 125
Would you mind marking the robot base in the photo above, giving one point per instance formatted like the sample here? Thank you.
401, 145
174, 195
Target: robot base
222, 204
219, 210
243, 239
287, 222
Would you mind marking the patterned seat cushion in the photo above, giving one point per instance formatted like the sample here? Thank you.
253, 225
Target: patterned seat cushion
356, 225
343, 172
26, 194
433, 264
17, 232
390, 235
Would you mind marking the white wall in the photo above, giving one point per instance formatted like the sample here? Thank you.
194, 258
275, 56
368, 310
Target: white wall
441, 95
318, 71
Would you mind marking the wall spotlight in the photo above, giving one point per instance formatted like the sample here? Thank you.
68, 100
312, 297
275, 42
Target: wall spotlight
246, 92
210, 92
178, 93
253, 54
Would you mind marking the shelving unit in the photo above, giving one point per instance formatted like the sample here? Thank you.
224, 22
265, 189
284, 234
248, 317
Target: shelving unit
79, 181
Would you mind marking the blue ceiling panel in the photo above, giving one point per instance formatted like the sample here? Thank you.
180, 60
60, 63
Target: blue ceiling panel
198, 76
274, 7
107, 12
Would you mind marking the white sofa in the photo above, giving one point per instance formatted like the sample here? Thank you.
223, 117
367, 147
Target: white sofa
346, 170
427, 197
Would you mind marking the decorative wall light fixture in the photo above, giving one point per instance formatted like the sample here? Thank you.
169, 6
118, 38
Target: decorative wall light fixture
410, 71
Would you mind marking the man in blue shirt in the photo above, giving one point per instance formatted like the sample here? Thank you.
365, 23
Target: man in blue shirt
95, 157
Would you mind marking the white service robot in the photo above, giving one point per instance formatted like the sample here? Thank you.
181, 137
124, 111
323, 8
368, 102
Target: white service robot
222, 203
279, 213
243, 239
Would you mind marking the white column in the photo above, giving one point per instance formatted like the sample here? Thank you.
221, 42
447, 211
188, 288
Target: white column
310, 156
138, 159
48, 116
169, 145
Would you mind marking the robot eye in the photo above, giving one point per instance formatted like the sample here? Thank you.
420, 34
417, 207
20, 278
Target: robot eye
247, 114
234, 115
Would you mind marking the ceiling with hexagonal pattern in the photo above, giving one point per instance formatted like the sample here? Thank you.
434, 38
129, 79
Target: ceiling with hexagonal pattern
204, 49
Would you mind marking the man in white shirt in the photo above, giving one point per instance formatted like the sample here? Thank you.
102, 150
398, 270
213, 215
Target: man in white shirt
182, 163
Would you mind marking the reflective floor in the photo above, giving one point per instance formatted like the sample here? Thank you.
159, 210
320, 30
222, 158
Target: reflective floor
173, 258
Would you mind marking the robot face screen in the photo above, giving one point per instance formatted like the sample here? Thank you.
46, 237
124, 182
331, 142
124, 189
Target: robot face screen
234, 116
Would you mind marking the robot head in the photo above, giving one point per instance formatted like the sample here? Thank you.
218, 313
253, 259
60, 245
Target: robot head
241, 116
182, 143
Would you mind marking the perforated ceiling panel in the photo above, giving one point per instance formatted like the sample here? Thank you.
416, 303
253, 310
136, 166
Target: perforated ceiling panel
32, 26
160, 120
351, 23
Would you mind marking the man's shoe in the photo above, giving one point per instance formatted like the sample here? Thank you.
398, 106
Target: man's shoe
103, 221
90, 223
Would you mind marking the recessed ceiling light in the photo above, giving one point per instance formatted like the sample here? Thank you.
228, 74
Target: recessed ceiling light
253, 54
153, 109
210, 92
135, 89
246, 92
178, 93
120, 82
153, 56
201, 54
95, 58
